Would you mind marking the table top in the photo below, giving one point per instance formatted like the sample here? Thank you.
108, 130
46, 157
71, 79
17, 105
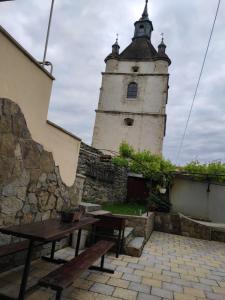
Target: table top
48, 230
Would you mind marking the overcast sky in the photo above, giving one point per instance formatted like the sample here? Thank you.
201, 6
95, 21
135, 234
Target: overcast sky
81, 37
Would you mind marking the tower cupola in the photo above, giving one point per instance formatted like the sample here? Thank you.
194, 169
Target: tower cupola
162, 52
116, 47
143, 27
162, 47
115, 51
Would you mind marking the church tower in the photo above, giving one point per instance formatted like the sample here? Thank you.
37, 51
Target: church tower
133, 95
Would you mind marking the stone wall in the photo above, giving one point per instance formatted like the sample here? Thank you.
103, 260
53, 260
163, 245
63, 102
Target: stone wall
166, 222
143, 225
31, 188
104, 181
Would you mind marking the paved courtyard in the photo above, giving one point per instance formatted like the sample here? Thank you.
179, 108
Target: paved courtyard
171, 267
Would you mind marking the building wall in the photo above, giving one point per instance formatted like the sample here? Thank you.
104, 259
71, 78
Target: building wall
147, 131
192, 199
147, 110
29, 85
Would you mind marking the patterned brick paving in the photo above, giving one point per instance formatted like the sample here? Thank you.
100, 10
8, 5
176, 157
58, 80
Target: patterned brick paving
171, 267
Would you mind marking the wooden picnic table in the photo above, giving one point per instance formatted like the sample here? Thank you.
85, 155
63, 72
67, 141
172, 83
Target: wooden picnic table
46, 231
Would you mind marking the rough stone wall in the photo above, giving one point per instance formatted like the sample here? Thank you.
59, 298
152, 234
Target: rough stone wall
104, 181
169, 223
31, 188
143, 225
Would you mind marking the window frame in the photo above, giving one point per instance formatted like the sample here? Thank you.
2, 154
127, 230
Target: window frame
132, 90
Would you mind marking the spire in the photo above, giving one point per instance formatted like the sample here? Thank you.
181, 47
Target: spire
145, 12
143, 27
162, 46
116, 46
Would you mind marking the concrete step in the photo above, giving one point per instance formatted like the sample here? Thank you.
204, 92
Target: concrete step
90, 207
99, 213
135, 246
128, 235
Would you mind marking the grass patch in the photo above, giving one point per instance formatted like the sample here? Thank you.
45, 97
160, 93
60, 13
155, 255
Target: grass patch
134, 209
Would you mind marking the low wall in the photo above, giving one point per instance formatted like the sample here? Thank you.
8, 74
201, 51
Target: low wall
175, 224
104, 181
143, 225
198, 200
169, 223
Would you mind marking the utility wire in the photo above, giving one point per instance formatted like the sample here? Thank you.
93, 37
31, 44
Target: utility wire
198, 83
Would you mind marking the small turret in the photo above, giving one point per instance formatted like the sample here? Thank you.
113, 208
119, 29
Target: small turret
115, 51
162, 47
162, 51
116, 47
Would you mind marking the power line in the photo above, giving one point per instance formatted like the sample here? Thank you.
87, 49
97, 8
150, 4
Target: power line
198, 83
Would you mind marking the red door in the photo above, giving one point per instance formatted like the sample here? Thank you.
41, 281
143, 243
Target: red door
137, 189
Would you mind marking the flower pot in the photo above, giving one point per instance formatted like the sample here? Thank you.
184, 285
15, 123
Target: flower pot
71, 216
162, 190
67, 217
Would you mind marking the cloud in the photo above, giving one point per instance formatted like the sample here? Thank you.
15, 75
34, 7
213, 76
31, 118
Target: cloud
81, 37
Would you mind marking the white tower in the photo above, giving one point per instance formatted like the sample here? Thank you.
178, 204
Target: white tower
133, 95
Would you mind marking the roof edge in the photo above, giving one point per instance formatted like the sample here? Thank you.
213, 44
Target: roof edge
63, 130
25, 52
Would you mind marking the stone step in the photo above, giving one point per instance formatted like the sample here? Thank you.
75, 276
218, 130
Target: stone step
135, 246
90, 207
99, 212
128, 235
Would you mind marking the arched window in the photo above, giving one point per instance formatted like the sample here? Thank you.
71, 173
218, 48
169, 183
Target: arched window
132, 90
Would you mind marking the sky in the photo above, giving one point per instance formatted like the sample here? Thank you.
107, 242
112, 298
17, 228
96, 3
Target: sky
81, 37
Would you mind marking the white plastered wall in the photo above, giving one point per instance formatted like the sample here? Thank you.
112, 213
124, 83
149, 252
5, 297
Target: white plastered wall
25, 83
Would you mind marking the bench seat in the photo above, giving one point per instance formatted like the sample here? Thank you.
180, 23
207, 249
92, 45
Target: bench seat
13, 248
65, 275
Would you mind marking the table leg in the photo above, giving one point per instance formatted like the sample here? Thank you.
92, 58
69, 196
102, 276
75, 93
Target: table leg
78, 243
53, 249
26, 272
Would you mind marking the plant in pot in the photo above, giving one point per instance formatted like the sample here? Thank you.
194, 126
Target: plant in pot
71, 214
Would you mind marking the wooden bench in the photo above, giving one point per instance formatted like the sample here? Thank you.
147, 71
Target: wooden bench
64, 276
13, 248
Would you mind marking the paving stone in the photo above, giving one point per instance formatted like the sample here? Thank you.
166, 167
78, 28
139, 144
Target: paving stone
143, 288
136, 266
161, 293
172, 287
125, 294
98, 278
152, 282
124, 270
213, 296
118, 282
208, 281
172, 274
182, 282
103, 289
178, 296
142, 296
194, 292
83, 284
131, 277
219, 290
